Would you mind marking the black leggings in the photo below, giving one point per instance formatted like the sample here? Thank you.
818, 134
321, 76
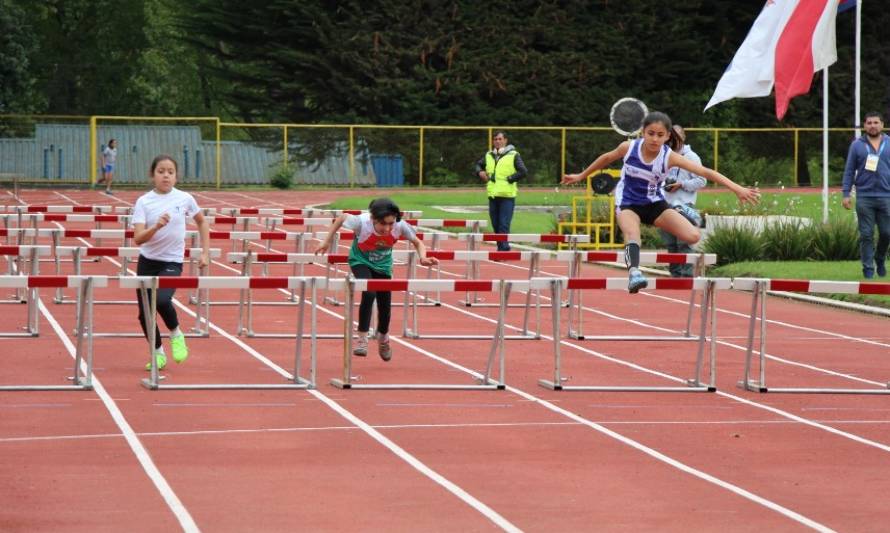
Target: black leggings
150, 267
384, 301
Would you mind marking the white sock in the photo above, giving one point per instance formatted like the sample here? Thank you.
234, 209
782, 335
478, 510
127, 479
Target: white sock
175, 332
383, 338
160, 351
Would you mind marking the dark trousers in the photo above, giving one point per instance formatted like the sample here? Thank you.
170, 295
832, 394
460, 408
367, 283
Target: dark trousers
873, 211
150, 267
384, 301
500, 210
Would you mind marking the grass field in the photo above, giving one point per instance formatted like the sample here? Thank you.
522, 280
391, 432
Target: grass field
803, 203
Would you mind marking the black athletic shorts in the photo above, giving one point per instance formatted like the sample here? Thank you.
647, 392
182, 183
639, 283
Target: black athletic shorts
649, 212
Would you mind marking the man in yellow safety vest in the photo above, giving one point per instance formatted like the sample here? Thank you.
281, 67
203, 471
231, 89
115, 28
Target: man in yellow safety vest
500, 168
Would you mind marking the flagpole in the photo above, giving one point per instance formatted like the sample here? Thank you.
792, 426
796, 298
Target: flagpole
825, 145
856, 101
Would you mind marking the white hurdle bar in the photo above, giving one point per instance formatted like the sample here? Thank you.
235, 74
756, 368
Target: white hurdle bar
575, 300
59, 209
411, 297
308, 212
16, 256
709, 288
245, 301
474, 238
759, 287
148, 283
81, 380
496, 353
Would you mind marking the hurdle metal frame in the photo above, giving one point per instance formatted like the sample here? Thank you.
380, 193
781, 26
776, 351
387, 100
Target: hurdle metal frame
496, 355
474, 238
759, 288
411, 301
708, 286
575, 298
298, 381
16, 257
81, 379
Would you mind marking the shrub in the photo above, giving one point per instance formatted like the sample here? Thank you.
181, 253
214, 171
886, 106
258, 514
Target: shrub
836, 241
734, 244
788, 240
281, 177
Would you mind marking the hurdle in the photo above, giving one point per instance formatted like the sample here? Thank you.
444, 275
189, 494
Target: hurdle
309, 212
411, 303
81, 380
63, 209
759, 287
575, 299
245, 301
153, 283
496, 354
708, 286
16, 256
474, 238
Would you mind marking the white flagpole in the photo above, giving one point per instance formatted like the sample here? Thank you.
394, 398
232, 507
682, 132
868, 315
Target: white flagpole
856, 102
825, 145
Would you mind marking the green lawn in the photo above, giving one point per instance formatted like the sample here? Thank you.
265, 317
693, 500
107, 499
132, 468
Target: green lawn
786, 203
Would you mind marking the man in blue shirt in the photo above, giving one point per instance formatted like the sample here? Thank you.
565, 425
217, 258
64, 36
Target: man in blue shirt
868, 169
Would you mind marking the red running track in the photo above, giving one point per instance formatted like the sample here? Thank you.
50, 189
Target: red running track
123, 457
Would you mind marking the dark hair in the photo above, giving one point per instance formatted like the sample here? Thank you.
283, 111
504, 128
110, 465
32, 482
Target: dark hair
677, 138
111, 141
384, 207
158, 159
658, 116
499, 132
871, 114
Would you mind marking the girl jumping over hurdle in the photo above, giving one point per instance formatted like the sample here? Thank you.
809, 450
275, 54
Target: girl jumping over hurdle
639, 195
159, 230
370, 257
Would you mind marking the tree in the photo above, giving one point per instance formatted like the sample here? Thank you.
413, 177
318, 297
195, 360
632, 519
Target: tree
17, 46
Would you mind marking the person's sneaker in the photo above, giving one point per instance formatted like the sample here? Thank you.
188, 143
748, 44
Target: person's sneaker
868, 273
636, 281
384, 347
161, 359
360, 346
178, 348
108, 192
690, 214
882, 268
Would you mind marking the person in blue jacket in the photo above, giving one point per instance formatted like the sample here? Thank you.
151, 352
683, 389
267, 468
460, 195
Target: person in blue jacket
868, 170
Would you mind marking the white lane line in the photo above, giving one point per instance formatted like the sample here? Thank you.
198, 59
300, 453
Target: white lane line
400, 452
170, 497
480, 425
67, 198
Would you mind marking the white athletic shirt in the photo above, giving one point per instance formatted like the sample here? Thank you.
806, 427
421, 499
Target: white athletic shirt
640, 182
168, 244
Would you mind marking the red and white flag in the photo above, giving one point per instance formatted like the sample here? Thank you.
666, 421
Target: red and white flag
789, 42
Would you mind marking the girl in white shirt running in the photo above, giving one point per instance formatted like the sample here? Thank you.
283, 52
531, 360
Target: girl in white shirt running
159, 229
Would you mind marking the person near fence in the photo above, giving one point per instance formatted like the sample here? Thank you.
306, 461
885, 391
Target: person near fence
109, 156
680, 191
868, 171
159, 229
638, 196
500, 168
370, 257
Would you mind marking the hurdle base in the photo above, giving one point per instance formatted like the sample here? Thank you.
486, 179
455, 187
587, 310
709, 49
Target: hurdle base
340, 384
412, 335
191, 334
84, 387
646, 338
302, 385
548, 384
751, 386
253, 335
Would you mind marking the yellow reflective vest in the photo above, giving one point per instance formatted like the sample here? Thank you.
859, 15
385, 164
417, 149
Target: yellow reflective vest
498, 171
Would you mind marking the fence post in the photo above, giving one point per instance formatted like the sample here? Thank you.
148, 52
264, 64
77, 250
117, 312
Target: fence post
420, 161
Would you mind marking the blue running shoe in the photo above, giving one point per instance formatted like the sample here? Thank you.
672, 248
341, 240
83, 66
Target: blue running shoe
690, 214
636, 281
